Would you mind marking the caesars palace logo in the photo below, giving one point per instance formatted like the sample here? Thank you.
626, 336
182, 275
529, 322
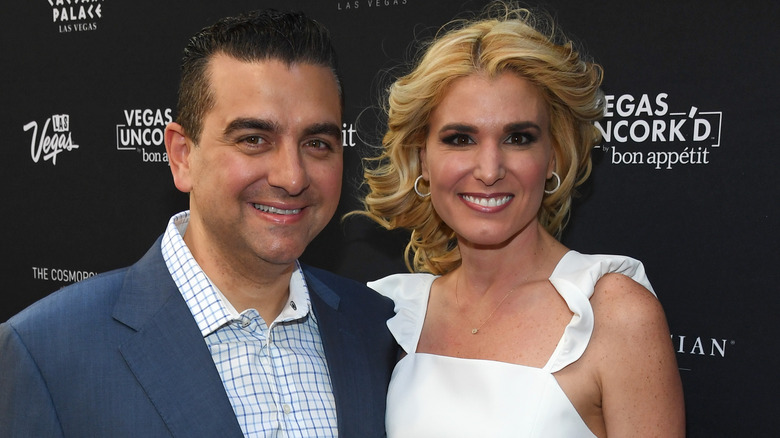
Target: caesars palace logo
76, 15
52, 139
643, 130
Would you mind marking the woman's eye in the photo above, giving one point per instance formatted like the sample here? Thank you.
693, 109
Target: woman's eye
520, 138
458, 140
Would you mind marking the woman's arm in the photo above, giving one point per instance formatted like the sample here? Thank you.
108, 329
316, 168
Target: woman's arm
641, 389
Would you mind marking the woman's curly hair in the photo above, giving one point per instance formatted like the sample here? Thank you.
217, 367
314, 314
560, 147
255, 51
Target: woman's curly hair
503, 39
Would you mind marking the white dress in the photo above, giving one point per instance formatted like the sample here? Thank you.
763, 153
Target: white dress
442, 396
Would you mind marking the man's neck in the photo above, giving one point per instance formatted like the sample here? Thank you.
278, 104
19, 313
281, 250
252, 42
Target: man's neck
247, 283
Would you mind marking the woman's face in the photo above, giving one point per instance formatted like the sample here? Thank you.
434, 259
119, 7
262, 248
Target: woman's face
487, 156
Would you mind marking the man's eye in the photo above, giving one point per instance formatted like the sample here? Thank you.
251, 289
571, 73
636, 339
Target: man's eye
317, 144
252, 140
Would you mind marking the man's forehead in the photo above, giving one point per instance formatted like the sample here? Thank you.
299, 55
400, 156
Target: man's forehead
263, 96
224, 62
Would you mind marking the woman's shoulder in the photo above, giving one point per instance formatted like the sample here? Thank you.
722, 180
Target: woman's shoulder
585, 271
403, 286
628, 318
410, 294
621, 301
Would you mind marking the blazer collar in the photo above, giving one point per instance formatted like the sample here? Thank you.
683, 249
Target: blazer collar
168, 355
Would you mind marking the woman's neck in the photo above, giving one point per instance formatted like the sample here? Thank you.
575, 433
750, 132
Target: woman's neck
531, 255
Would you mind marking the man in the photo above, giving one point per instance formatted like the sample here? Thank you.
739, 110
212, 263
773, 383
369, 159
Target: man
218, 330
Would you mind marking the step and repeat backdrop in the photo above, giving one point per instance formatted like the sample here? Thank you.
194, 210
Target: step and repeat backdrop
685, 179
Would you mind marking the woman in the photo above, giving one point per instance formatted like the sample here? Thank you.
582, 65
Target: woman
506, 331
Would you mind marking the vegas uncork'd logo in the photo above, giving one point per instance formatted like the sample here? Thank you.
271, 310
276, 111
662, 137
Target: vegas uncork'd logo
76, 15
51, 140
643, 130
143, 130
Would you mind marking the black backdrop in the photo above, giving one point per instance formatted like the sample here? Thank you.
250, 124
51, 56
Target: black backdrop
685, 179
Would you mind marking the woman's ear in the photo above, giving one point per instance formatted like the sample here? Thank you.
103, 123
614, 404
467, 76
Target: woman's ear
550, 168
177, 146
424, 163
553, 161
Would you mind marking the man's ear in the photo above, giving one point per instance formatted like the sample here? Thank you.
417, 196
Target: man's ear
178, 148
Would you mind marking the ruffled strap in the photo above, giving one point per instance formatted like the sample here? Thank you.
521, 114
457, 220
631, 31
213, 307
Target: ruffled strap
410, 293
575, 279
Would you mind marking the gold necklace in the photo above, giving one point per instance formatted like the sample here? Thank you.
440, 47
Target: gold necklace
476, 330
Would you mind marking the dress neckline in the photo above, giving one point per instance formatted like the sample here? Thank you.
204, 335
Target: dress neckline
426, 288
574, 278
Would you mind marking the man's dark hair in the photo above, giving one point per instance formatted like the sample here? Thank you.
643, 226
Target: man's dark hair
290, 37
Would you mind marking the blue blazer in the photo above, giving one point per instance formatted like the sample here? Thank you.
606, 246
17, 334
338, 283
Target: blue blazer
120, 355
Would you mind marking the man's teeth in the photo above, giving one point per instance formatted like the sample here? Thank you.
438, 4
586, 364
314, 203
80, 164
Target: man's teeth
274, 210
487, 202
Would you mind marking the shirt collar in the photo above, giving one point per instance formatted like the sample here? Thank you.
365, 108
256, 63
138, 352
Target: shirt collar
206, 302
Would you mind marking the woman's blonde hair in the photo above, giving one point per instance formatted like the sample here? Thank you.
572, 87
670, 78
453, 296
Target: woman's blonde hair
504, 39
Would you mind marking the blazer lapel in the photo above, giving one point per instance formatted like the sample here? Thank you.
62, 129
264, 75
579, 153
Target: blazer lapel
346, 359
168, 355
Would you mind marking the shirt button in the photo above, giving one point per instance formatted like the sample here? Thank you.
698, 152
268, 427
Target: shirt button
286, 408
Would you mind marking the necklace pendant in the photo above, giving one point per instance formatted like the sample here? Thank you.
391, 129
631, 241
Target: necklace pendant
474, 331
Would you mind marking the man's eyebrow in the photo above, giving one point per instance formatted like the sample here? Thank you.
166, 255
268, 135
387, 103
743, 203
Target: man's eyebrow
250, 124
325, 128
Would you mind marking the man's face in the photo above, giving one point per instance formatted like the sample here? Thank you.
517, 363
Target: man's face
266, 176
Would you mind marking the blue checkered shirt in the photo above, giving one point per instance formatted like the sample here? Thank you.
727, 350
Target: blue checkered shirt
276, 376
